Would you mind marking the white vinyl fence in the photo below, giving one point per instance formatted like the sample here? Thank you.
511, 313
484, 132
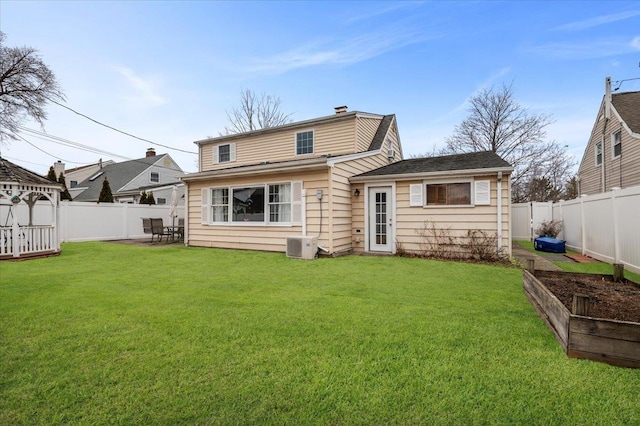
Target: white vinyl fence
603, 226
78, 221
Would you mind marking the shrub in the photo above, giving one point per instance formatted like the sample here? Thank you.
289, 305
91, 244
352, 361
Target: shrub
551, 228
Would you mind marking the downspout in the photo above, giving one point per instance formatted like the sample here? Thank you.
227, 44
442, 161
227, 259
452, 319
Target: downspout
499, 212
607, 115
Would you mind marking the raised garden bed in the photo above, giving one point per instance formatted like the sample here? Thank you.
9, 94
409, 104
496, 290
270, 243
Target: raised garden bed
610, 332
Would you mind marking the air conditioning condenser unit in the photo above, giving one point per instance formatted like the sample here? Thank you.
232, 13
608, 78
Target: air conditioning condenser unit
302, 247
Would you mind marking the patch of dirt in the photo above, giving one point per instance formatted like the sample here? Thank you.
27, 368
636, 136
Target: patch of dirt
607, 299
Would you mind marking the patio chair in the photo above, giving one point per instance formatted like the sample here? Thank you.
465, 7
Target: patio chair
157, 228
146, 226
180, 229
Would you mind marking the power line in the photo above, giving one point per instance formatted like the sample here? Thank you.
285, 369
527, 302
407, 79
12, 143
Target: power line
66, 142
118, 130
71, 144
42, 150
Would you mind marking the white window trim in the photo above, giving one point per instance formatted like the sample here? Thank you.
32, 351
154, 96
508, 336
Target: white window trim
444, 181
473, 189
613, 146
215, 156
151, 177
295, 142
295, 204
210, 206
595, 153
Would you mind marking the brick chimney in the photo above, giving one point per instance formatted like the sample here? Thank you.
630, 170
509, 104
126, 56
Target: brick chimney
151, 152
341, 109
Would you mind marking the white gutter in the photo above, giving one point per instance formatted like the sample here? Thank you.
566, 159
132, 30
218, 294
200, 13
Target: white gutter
349, 157
421, 175
299, 165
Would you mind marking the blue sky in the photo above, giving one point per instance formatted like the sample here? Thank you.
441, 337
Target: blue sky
167, 71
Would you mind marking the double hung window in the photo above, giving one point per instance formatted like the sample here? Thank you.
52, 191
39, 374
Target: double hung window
598, 153
220, 204
304, 143
280, 203
616, 144
224, 153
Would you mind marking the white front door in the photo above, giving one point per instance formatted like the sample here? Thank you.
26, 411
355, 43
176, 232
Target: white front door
380, 219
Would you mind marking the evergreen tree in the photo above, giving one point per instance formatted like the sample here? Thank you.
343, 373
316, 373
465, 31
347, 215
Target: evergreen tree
52, 175
64, 195
150, 199
143, 198
105, 194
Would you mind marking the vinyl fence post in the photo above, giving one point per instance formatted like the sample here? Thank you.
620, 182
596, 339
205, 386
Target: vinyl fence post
616, 227
583, 230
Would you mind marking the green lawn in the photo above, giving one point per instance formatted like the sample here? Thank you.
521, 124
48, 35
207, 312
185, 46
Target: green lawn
587, 268
109, 333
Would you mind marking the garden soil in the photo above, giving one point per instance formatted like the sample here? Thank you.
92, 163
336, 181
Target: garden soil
608, 299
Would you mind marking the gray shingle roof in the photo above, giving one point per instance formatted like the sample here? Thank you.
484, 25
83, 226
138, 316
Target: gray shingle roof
628, 106
469, 161
119, 174
10, 172
383, 129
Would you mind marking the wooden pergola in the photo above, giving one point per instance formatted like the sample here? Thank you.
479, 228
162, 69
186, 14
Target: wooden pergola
17, 238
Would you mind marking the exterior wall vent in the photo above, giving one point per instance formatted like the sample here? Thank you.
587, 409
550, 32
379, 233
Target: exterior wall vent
302, 247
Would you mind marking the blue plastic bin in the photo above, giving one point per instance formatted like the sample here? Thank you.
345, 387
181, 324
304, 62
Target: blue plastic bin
548, 244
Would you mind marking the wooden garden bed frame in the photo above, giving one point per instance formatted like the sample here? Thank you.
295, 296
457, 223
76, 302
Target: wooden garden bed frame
614, 342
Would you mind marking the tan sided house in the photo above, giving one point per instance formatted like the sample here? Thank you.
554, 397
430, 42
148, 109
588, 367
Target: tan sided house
338, 182
612, 157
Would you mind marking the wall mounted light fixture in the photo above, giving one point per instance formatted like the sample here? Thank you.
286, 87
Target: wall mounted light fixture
357, 192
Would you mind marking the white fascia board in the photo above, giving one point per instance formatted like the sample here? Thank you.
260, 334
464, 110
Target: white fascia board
369, 115
297, 124
624, 123
425, 175
349, 157
316, 163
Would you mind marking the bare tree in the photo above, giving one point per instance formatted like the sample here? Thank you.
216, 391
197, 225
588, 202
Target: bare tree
25, 85
255, 112
547, 179
498, 123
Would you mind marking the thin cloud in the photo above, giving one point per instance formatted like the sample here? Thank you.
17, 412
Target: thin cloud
635, 43
372, 13
339, 51
489, 81
597, 21
145, 88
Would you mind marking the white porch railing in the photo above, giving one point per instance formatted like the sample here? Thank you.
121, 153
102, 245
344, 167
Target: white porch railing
29, 240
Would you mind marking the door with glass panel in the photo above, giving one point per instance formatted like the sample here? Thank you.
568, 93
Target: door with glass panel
380, 219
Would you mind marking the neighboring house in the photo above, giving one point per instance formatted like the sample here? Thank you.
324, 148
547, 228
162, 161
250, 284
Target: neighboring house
309, 178
161, 193
128, 178
78, 174
612, 157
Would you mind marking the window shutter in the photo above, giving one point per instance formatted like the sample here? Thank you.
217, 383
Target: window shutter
215, 155
482, 193
296, 202
206, 206
232, 152
415, 195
